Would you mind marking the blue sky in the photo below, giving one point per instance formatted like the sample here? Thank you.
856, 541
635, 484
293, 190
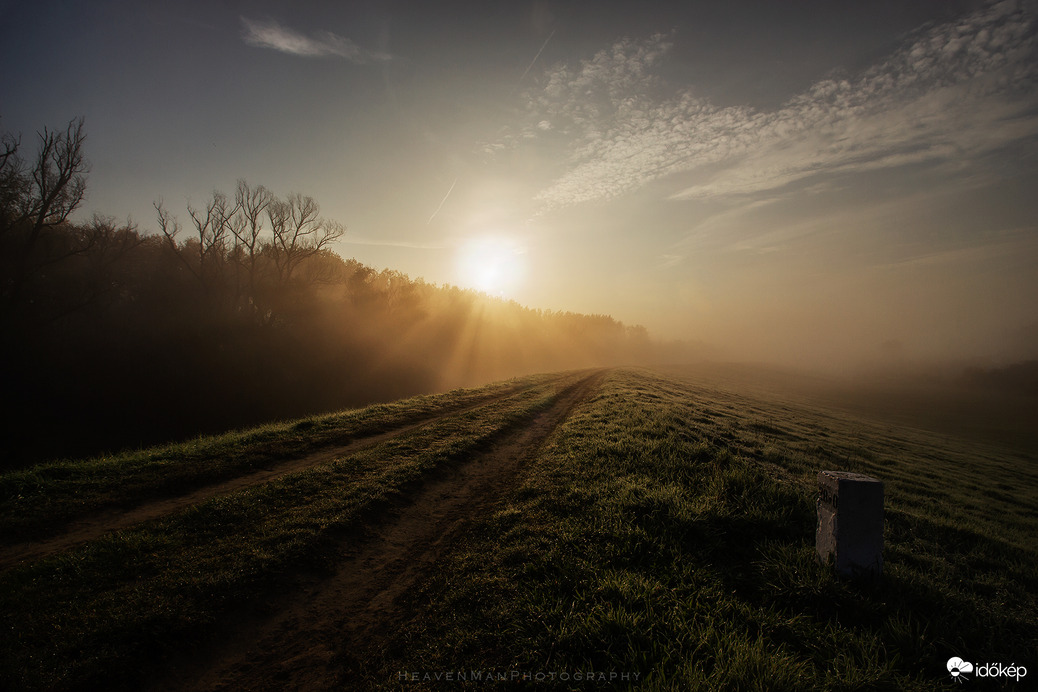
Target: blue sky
812, 182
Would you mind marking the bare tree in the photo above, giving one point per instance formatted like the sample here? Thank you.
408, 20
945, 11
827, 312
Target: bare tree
299, 232
13, 186
247, 252
58, 176
211, 227
10, 145
169, 225
247, 227
247, 223
37, 198
100, 246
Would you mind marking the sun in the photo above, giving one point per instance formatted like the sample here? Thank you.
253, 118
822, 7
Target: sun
492, 264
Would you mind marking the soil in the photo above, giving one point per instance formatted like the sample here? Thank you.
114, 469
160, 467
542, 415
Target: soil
312, 638
96, 525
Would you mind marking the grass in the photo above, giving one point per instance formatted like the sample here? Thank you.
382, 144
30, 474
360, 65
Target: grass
114, 604
667, 532
664, 532
39, 501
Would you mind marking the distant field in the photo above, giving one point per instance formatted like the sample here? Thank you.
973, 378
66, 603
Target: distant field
995, 413
641, 528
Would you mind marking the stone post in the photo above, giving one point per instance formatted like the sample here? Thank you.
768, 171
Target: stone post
850, 523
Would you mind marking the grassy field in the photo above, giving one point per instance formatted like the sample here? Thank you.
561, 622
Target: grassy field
667, 530
38, 501
659, 536
116, 602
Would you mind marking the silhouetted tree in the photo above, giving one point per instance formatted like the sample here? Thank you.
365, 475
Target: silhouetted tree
12, 181
209, 246
298, 232
247, 227
122, 338
36, 199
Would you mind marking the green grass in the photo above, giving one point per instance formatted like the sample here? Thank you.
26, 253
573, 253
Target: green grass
114, 604
668, 531
39, 501
665, 530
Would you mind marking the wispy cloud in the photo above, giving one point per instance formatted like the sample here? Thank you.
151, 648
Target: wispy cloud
355, 240
442, 202
270, 34
950, 95
1018, 242
534, 61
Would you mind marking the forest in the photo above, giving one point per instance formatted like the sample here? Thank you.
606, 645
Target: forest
112, 337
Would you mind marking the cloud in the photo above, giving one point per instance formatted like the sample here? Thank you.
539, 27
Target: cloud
669, 260
1019, 242
270, 34
354, 240
952, 94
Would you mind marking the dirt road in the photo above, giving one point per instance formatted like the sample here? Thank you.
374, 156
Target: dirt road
310, 639
96, 525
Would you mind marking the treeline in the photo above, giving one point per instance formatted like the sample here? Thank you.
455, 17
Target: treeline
240, 314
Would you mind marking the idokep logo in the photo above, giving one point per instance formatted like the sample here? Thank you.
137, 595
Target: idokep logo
959, 670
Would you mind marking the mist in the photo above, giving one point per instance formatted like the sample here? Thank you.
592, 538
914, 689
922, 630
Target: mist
236, 315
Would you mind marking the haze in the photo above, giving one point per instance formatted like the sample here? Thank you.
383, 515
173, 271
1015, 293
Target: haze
813, 183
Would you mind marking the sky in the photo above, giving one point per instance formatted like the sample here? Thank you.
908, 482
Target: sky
816, 183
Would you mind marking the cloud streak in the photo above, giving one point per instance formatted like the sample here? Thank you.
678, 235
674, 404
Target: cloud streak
1012, 243
442, 202
534, 61
952, 94
270, 34
355, 240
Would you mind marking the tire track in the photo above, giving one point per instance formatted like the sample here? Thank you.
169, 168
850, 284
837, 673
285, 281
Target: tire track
94, 526
307, 640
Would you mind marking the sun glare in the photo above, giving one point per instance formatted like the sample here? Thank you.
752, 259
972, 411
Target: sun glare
491, 264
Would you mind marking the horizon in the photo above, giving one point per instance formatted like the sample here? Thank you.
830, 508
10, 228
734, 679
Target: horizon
819, 187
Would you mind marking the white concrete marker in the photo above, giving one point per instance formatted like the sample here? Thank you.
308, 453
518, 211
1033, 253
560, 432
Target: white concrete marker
850, 523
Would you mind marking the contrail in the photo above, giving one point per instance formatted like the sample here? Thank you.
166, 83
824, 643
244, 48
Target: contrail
441, 202
528, 67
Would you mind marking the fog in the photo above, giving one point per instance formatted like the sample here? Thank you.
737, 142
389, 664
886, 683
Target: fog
114, 338
240, 311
